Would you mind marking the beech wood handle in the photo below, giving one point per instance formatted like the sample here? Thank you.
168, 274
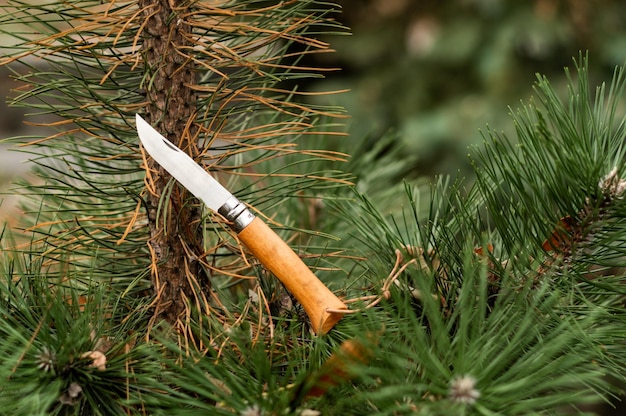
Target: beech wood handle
281, 260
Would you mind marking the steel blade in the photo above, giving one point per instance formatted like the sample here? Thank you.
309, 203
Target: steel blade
183, 168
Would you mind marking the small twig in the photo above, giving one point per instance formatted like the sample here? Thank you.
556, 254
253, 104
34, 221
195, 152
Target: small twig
269, 314
386, 294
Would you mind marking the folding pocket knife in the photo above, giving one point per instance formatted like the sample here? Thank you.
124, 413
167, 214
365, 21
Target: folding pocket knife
317, 300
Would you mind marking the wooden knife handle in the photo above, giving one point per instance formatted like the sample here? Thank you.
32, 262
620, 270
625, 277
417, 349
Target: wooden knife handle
281, 260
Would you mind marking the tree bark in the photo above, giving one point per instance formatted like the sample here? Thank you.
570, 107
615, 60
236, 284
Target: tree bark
176, 235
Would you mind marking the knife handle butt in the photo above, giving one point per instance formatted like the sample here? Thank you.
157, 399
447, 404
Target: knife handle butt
284, 263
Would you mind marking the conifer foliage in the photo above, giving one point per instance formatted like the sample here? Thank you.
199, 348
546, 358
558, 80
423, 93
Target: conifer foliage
205, 74
122, 295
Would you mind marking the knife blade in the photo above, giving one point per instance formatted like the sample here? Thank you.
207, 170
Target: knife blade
317, 300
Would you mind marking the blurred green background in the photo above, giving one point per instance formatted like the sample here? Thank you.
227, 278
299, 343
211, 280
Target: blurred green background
435, 72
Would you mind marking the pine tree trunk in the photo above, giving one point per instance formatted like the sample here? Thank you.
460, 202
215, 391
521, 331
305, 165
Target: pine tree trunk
175, 236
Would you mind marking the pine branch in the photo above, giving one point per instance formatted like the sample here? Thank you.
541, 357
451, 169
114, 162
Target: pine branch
515, 291
209, 77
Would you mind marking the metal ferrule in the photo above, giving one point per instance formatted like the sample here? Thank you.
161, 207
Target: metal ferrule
237, 213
